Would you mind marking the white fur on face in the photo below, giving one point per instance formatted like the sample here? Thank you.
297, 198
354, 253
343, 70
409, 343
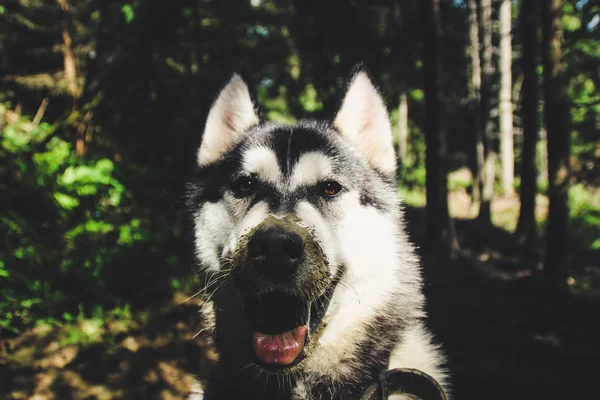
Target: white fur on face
213, 225
366, 243
363, 119
230, 116
219, 228
311, 168
253, 218
323, 230
263, 162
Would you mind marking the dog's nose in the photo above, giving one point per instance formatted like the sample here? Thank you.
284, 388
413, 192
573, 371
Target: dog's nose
275, 252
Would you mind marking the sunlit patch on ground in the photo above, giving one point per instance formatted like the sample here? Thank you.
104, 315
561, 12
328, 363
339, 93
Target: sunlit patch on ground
155, 355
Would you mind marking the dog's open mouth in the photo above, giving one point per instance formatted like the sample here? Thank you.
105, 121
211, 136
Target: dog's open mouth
282, 326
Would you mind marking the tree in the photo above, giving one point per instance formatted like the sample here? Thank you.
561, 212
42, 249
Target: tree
485, 28
402, 127
70, 61
475, 101
441, 238
557, 119
507, 154
526, 229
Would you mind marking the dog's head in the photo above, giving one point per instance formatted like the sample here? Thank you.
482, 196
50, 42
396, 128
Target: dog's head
302, 219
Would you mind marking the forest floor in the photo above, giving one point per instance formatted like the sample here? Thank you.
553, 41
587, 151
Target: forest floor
505, 337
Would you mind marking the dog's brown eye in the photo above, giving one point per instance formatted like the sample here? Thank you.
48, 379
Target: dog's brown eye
329, 188
244, 186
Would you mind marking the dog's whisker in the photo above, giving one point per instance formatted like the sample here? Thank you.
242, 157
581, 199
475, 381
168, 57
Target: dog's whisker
200, 332
191, 297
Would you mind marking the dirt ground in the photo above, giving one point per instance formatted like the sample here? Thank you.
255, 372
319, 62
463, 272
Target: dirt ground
505, 336
157, 355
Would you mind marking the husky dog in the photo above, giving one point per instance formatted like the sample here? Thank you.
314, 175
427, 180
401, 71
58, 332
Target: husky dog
315, 287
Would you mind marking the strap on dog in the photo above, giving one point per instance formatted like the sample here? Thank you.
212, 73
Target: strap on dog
405, 381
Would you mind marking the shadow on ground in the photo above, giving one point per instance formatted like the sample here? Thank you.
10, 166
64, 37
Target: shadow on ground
505, 337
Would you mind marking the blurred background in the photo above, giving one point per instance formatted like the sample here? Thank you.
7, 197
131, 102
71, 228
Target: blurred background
496, 117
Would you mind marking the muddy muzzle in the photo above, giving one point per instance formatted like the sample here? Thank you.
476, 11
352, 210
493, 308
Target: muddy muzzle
283, 276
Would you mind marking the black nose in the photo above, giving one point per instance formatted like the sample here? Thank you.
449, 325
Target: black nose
275, 252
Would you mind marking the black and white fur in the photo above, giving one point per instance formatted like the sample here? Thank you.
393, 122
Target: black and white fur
374, 321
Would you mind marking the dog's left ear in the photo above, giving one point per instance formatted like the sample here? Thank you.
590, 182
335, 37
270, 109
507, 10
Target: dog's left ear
231, 114
363, 118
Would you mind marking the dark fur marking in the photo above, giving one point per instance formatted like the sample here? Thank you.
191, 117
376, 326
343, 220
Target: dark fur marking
305, 139
367, 200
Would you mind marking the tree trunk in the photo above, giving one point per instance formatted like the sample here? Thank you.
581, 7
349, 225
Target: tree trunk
475, 104
70, 64
525, 234
441, 239
402, 127
543, 157
557, 119
507, 155
69, 60
485, 22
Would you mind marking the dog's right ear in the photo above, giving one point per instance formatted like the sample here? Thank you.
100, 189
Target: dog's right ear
230, 116
363, 119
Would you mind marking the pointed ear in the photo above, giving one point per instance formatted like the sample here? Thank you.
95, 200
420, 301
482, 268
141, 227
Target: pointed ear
364, 120
230, 116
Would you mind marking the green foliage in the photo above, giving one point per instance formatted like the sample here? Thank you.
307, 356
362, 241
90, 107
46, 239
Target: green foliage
412, 172
582, 50
128, 13
413, 198
70, 228
309, 99
585, 217
277, 105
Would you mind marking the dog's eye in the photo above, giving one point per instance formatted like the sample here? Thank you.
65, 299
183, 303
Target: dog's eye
329, 188
244, 186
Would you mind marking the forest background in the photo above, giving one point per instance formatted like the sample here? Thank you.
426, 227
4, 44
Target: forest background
496, 116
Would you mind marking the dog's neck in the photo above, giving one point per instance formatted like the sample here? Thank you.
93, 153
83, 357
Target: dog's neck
225, 384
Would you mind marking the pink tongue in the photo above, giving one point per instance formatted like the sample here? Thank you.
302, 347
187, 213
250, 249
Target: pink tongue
282, 348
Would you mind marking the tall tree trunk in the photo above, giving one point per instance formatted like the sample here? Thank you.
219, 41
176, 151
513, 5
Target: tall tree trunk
507, 154
525, 234
69, 60
402, 127
543, 157
441, 238
485, 23
70, 63
557, 119
475, 103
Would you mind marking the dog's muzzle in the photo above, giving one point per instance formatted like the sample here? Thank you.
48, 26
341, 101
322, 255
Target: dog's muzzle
283, 276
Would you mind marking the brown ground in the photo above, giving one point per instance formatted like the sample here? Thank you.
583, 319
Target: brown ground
153, 356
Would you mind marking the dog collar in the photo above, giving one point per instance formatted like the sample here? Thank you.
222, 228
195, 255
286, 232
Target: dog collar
406, 381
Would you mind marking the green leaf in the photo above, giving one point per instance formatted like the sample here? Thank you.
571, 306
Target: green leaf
128, 12
309, 99
65, 201
571, 22
105, 165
